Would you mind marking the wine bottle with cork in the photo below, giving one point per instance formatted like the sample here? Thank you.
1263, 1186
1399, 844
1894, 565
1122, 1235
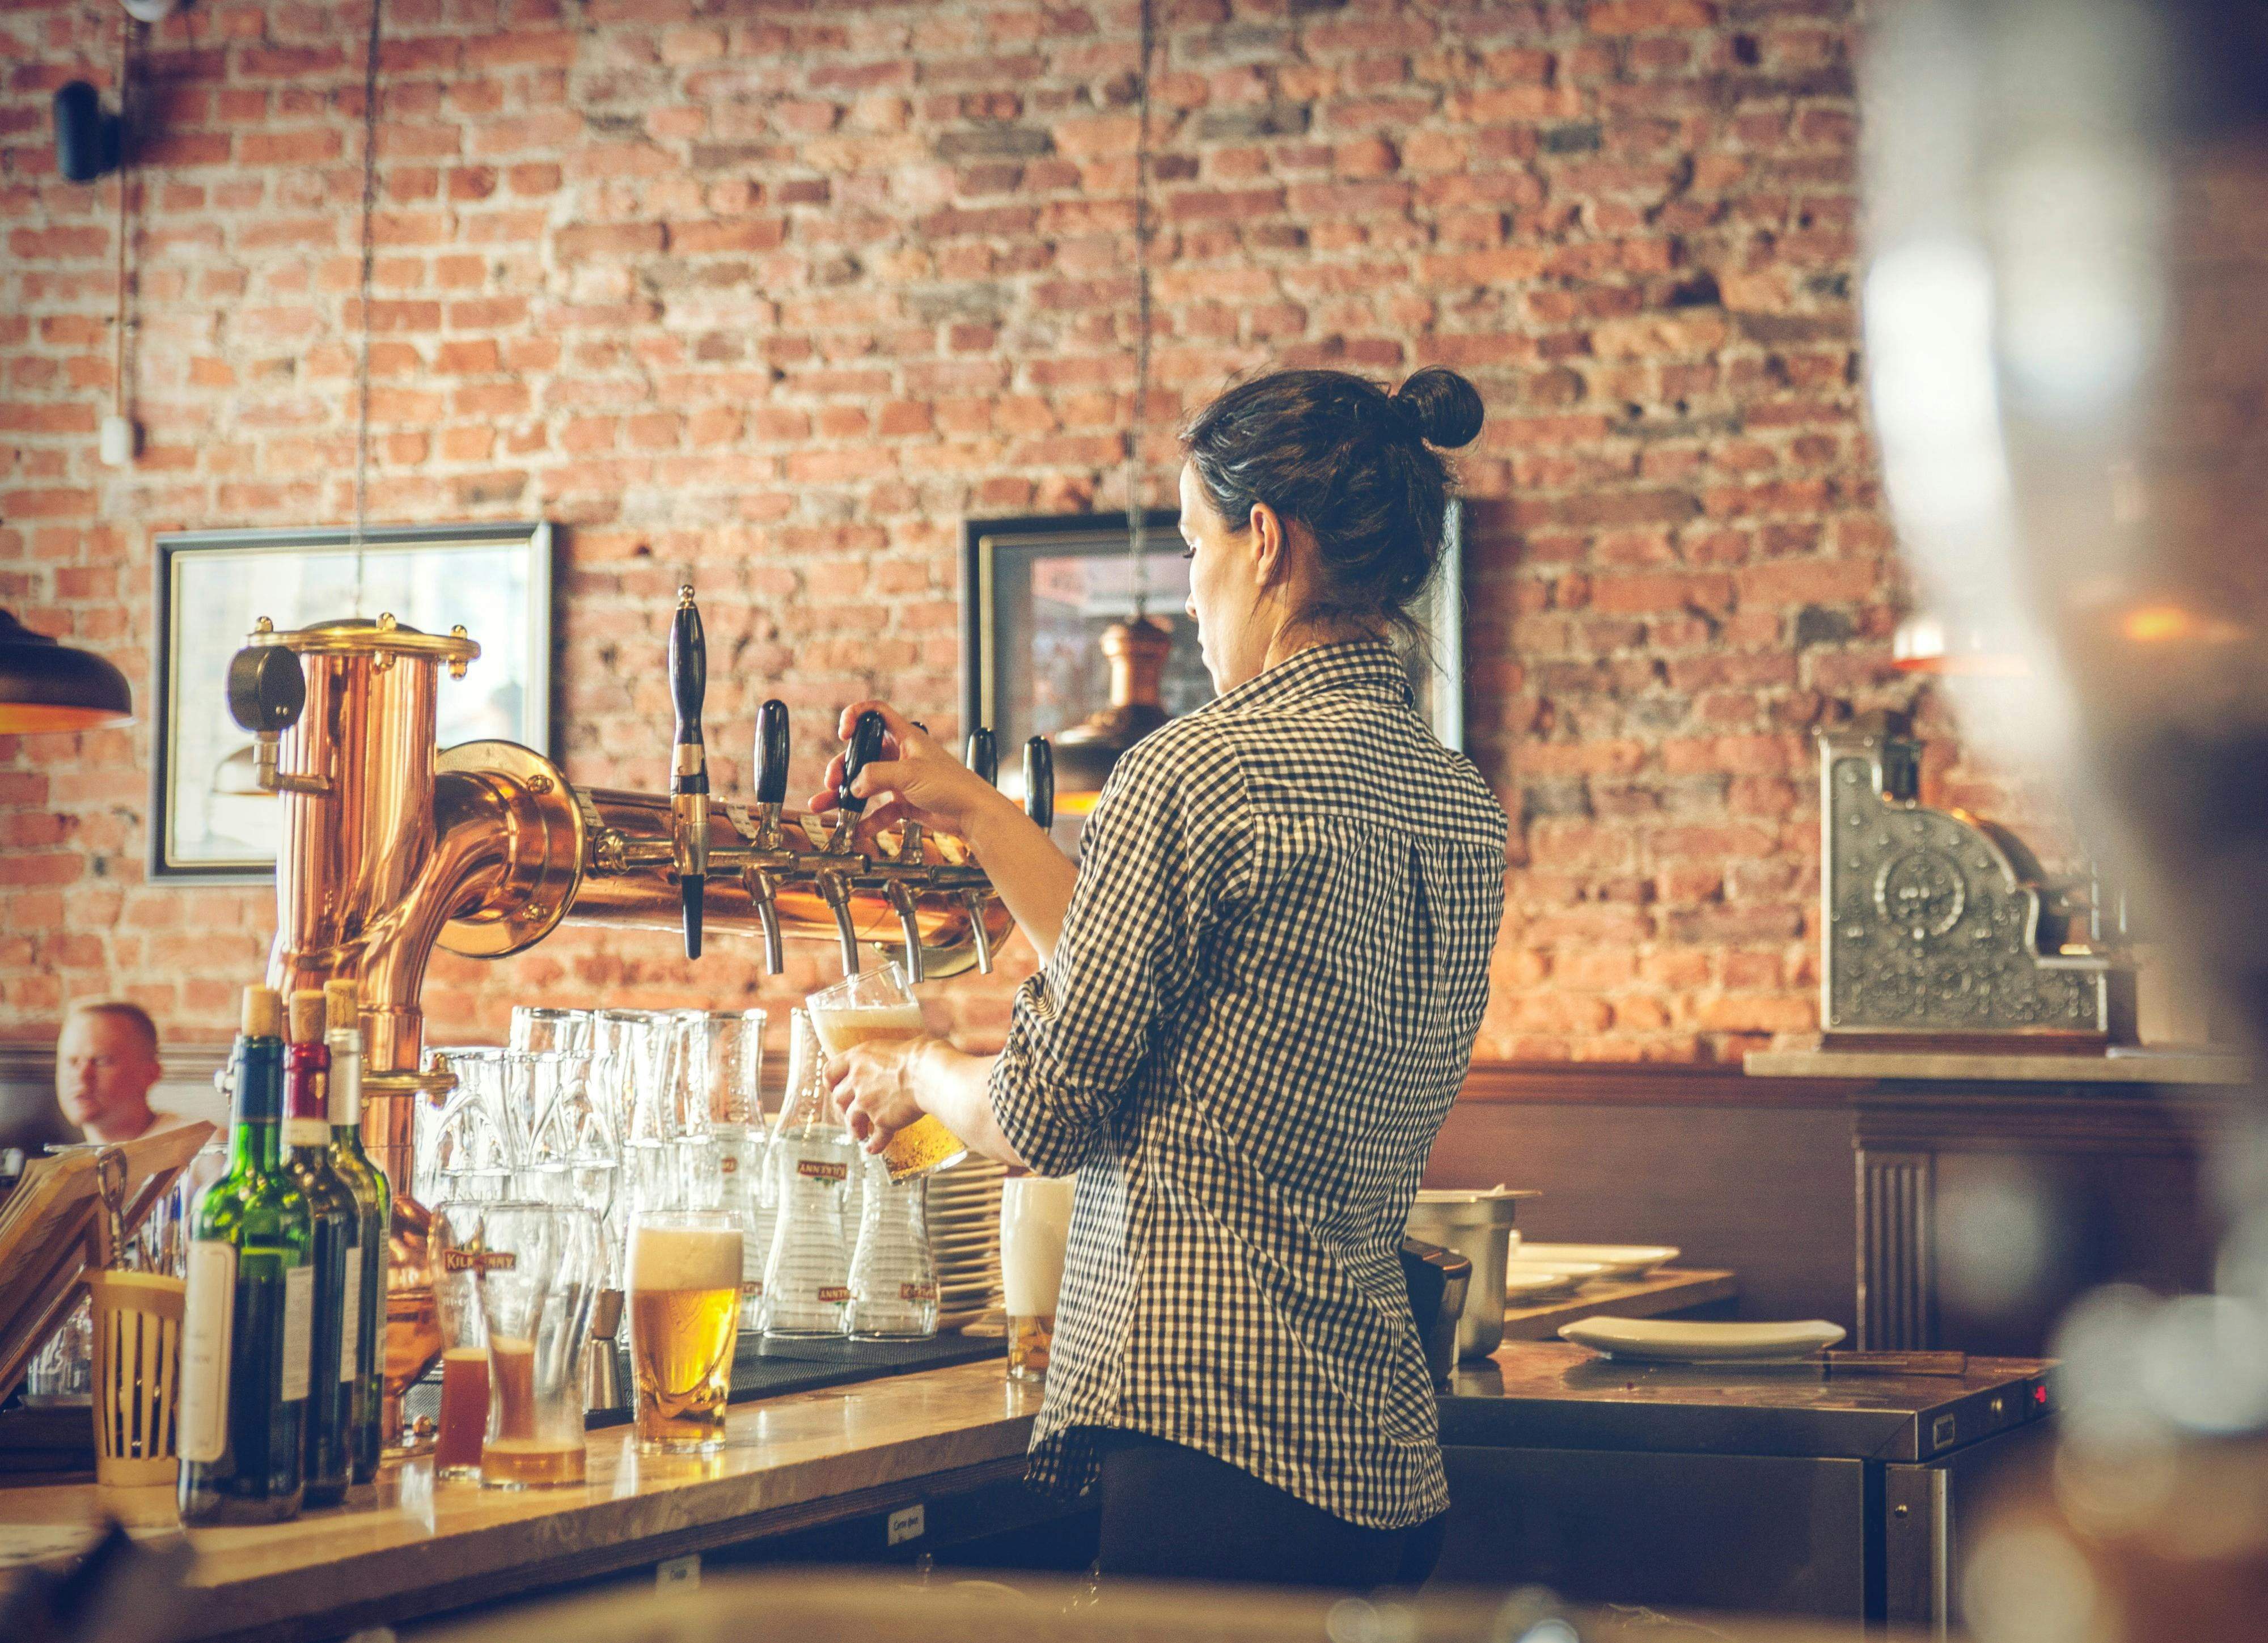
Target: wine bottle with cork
365, 1326
248, 1327
337, 1254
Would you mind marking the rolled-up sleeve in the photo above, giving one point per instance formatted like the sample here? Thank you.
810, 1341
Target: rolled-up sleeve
1164, 856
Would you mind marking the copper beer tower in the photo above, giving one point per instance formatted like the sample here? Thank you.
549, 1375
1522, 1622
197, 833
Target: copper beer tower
391, 845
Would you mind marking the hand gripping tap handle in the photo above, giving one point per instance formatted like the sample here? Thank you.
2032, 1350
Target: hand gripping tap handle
688, 770
866, 747
1040, 782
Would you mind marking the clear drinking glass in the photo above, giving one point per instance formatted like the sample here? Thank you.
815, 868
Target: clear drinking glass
538, 1281
539, 1028
456, 1248
877, 1004
719, 1070
685, 1314
654, 1128
893, 1279
807, 1271
467, 1139
1034, 1231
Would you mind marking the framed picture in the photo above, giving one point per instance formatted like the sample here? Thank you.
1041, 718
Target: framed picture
1036, 594
209, 819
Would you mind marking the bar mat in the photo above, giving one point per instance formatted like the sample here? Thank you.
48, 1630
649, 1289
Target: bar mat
765, 1368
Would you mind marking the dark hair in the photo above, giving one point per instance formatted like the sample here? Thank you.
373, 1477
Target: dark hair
1353, 463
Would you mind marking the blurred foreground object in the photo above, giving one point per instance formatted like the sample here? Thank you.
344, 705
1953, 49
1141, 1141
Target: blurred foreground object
2066, 309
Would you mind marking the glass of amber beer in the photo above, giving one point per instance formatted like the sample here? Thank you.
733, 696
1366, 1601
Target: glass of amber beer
539, 1276
685, 1315
878, 1003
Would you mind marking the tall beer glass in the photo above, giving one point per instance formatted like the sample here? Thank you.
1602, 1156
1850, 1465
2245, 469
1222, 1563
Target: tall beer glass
878, 1003
1034, 1228
685, 1315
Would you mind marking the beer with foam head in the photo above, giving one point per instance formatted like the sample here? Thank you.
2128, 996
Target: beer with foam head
923, 1146
685, 1312
1034, 1229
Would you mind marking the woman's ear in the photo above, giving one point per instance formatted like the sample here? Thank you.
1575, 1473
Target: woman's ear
1269, 561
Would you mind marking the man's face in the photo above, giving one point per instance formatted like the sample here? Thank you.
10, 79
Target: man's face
104, 1069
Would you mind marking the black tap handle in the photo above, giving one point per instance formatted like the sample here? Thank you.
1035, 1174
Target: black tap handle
1040, 782
771, 753
983, 756
688, 676
267, 692
865, 746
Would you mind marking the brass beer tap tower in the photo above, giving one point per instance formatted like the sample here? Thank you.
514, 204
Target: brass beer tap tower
391, 846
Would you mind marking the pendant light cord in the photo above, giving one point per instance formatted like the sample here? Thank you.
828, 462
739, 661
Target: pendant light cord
369, 259
1137, 531
125, 176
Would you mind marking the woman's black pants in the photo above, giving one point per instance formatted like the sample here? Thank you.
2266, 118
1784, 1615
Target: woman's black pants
1171, 1513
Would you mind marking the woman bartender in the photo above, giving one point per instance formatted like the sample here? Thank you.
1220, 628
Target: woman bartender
1259, 993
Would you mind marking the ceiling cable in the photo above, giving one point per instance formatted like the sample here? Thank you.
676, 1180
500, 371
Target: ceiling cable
369, 258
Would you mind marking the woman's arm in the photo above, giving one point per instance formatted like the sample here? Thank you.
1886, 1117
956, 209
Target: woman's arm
921, 781
884, 1085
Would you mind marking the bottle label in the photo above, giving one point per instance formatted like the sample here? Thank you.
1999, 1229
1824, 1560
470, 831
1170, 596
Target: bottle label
831, 1294
820, 1169
350, 1316
209, 1320
308, 1133
298, 1332
917, 1291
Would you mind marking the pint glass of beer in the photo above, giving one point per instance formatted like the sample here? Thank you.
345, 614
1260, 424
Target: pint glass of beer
685, 1312
878, 1003
1034, 1230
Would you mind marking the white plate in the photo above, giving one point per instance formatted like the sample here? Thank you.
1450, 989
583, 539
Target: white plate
1565, 1276
1619, 1260
1525, 1289
1669, 1341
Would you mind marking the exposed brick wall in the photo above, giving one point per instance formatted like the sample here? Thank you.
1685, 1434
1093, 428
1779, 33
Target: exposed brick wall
774, 295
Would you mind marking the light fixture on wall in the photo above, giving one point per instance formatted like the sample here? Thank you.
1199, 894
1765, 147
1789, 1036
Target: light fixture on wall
47, 686
1136, 648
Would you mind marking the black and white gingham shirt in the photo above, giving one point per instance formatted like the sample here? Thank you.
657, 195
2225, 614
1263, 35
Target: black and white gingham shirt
1261, 1007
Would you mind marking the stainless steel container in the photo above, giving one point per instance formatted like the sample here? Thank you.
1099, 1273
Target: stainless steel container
1478, 1225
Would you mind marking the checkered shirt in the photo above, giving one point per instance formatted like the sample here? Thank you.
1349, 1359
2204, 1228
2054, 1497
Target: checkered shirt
1261, 1007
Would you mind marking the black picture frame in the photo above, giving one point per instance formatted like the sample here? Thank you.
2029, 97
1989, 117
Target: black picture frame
429, 576
998, 556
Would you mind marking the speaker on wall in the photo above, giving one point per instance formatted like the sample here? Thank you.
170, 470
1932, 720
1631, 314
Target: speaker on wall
88, 139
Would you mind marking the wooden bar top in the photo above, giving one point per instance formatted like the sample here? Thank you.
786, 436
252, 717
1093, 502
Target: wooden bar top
788, 1462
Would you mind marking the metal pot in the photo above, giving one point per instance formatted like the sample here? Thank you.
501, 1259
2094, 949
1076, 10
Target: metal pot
1478, 1225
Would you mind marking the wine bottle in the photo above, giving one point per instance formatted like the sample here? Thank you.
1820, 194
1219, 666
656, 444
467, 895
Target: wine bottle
366, 1325
330, 1434
246, 1330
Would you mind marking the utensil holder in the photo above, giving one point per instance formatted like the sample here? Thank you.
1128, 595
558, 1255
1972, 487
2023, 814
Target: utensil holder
137, 1376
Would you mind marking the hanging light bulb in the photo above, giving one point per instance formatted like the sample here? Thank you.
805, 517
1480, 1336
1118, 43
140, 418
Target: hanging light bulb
45, 685
1136, 648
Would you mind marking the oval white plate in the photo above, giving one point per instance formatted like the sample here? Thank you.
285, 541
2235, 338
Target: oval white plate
1566, 1277
1523, 1289
1670, 1341
1620, 1260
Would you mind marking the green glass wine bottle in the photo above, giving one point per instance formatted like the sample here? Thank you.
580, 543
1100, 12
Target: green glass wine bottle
248, 1326
338, 1253
366, 1328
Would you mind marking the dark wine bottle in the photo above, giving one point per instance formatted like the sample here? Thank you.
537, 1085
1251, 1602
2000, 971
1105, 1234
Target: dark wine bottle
366, 1328
338, 1253
246, 1329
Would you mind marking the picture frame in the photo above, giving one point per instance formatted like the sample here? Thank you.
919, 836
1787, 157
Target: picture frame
208, 822
1037, 592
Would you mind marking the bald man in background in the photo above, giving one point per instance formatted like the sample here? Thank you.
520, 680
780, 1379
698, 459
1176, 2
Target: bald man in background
105, 1066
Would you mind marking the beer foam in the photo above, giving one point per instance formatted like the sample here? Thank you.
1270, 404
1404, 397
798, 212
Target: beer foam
840, 1028
684, 1257
1034, 1229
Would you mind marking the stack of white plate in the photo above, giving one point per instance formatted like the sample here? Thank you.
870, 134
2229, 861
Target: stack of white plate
964, 1239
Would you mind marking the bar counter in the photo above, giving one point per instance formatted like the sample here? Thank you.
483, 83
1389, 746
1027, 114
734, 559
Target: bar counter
790, 1463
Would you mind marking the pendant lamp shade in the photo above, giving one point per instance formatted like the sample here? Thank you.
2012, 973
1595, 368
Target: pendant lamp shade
1137, 651
48, 687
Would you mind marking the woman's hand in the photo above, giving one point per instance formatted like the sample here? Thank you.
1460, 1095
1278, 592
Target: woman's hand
874, 1087
915, 779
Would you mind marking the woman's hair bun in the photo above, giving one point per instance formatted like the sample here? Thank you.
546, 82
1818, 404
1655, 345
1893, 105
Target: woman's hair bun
1442, 406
